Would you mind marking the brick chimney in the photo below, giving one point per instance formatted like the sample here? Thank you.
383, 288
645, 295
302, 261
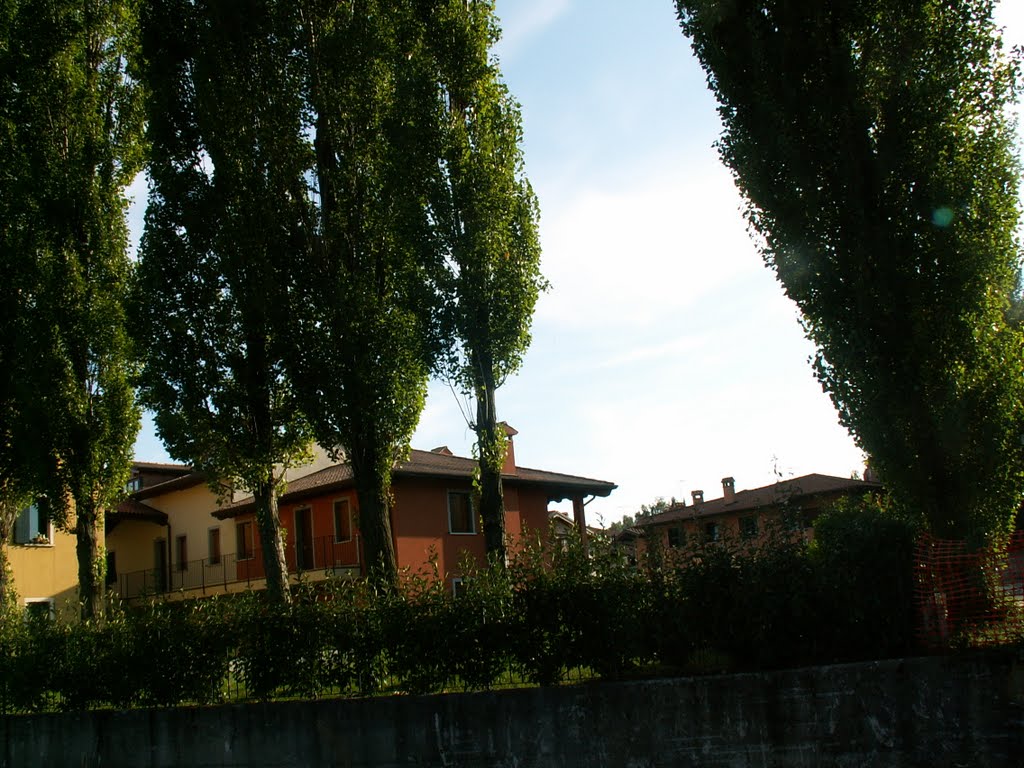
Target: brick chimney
698, 497
509, 467
729, 489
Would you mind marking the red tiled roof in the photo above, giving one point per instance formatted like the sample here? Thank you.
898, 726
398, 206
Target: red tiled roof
131, 509
178, 483
429, 464
160, 466
766, 496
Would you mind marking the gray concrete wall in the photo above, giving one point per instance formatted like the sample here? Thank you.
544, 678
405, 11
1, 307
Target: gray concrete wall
930, 712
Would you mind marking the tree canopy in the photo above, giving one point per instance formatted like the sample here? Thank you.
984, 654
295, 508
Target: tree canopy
872, 144
366, 330
486, 216
225, 132
71, 130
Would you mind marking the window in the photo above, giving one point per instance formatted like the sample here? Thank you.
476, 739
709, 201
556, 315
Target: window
796, 520
342, 521
711, 531
181, 550
244, 543
748, 527
675, 536
460, 512
38, 608
133, 485
213, 537
111, 567
458, 587
159, 565
32, 526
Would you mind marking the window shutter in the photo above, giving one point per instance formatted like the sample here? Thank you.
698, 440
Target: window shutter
22, 526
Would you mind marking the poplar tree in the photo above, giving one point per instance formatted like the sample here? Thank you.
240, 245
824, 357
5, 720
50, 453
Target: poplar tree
486, 216
71, 143
365, 320
871, 142
224, 125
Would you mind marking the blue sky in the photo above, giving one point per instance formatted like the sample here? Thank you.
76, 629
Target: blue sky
665, 357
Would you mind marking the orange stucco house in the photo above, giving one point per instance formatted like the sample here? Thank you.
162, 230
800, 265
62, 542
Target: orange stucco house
177, 536
791, 505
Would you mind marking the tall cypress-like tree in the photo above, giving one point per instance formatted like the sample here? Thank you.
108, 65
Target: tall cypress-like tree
23, 445
486, 216
871, 141
72, 130
363, 291
224, 125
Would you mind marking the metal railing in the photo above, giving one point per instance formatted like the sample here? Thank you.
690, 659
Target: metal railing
218, 574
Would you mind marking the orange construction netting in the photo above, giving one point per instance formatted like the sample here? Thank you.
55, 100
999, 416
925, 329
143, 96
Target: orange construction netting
969, 598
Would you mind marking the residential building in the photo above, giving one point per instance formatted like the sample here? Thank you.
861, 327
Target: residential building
788, 506
44, 564
179, 536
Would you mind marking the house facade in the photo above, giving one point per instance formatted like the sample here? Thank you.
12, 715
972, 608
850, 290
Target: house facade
790, 506
178, 536
44, 565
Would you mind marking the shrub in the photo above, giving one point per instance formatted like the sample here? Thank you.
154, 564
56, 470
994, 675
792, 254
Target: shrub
864, 556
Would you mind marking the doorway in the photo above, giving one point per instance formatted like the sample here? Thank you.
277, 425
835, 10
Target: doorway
303, 539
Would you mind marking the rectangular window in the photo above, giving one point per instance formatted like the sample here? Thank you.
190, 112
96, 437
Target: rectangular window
711, 531
181, 550
244, 540
342, 521
675, 536
111, 567
133, 485
796, 520
458, 587
214, 546
460, 512
39, 608
748, 527
32, 526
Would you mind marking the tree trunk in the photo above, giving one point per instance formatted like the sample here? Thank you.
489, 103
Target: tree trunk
491, 448
91, 584
8, 514
275, 566
373, 488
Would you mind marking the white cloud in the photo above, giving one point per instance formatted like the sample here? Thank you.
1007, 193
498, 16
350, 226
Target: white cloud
622, 252
522, 20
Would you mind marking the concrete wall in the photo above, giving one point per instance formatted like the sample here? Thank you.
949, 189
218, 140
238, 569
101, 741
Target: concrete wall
921, 712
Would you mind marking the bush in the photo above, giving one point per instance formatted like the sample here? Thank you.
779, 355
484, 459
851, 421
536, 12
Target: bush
713, 607
864, 556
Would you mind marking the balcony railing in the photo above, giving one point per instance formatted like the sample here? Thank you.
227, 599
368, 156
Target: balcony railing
206, 575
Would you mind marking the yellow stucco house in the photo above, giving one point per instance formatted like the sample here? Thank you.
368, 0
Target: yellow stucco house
44, 565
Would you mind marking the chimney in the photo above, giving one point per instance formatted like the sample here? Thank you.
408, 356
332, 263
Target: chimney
729, 489
509, 467
698, 497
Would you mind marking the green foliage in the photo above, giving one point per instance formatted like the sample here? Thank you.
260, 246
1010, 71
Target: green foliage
70, 142
364, 327
226, 150
485, 217
872, 143
862, 548
659, 505
552, 615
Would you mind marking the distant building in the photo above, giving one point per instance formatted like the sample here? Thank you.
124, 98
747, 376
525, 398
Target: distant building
790, 505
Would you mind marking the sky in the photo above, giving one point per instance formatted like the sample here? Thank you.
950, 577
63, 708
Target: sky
665, 356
